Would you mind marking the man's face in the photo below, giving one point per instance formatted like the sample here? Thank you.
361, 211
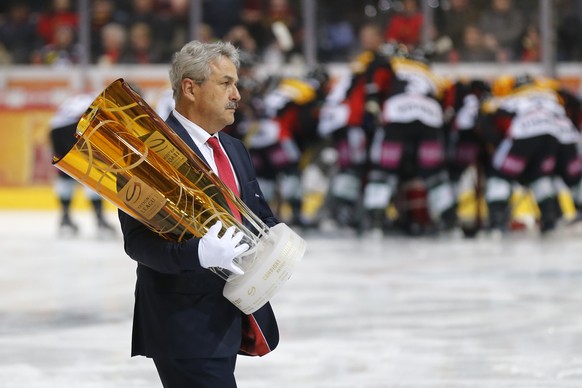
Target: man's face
215, 100
370, 38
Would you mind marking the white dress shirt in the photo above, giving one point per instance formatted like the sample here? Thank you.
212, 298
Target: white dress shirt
200, 138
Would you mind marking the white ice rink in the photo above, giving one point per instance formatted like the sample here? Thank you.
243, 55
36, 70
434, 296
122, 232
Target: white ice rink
388, 313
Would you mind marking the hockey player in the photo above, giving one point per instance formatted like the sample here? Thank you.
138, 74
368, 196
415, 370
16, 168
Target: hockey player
569, 157
345, 121
410, 142
533, 139
63, 126
465, 147
464, 143
283, 129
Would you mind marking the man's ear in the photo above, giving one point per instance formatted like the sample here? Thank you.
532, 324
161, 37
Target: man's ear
188, 89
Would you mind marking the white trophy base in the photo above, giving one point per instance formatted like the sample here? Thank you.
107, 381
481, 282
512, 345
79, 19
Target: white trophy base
278, 253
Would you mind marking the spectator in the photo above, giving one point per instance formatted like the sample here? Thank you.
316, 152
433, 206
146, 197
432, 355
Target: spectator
160, 24
206, 34
502, 25
4, 56
473, 47
141, 48
252, 20
406, 27
61, 13
337, 38
144, 11
530, 49
179, 12
280, 11
281, 20
63, 52
370, 39
240, 37
102, 13
454, 20
113, 41
222, 22
18, 33
569, 30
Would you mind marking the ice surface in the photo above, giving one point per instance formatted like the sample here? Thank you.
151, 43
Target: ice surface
370, 312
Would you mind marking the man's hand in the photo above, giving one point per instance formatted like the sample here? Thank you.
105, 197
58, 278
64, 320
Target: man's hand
220, 252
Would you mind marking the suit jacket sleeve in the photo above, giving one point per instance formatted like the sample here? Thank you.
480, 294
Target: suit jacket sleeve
149, 248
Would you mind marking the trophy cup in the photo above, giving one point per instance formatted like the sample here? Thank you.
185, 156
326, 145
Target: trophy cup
132, 158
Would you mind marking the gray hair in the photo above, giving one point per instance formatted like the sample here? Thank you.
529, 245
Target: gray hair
194, 59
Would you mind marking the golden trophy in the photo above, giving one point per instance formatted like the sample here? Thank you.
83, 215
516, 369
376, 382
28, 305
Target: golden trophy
132, 158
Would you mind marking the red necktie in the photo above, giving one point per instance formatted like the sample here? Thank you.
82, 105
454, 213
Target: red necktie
253, 341
224, 172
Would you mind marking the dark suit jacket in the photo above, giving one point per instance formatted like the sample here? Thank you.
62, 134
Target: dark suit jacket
180, 311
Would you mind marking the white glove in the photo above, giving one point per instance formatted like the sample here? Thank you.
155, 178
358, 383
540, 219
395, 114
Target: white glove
220, 252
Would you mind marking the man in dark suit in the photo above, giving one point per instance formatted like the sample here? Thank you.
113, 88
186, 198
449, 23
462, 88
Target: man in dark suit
181, 319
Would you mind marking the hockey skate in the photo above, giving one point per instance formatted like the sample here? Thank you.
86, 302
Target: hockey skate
104, 229
67, 228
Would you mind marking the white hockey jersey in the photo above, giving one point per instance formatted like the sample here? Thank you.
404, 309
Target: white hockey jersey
418, 98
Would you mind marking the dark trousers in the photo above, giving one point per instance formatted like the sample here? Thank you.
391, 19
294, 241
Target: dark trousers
197, 372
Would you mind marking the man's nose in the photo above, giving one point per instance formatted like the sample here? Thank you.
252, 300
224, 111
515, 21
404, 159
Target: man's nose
235, 95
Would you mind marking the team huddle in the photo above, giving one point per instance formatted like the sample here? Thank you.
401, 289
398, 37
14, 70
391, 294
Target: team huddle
389, 144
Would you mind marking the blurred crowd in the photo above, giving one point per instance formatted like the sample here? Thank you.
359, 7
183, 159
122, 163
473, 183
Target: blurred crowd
150, 31
133, 31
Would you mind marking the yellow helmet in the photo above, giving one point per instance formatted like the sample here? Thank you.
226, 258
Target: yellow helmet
360, 64
547, 83
502, 85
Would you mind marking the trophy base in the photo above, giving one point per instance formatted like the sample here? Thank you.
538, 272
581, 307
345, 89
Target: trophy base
277, 255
